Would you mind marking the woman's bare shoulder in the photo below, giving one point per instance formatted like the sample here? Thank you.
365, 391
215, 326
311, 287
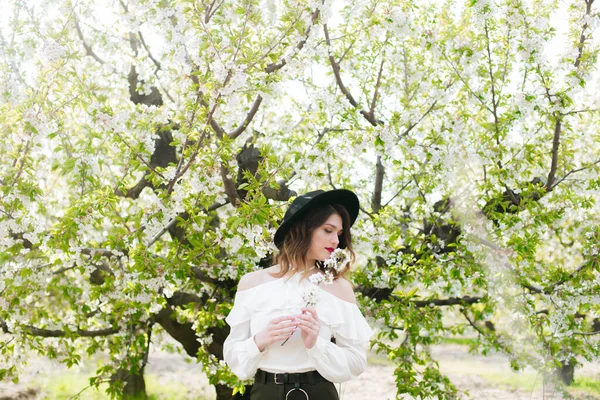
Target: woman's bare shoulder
256, 278
342, 289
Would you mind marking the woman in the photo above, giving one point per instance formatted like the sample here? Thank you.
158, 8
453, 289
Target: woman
294, 351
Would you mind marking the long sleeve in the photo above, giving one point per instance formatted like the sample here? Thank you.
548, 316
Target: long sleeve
240, 351
340, 361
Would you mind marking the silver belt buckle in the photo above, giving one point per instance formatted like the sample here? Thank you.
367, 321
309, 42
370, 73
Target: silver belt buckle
275, 379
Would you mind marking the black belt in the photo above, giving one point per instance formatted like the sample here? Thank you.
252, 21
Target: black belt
281, 378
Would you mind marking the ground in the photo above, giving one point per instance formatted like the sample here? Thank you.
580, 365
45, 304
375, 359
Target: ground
484, 377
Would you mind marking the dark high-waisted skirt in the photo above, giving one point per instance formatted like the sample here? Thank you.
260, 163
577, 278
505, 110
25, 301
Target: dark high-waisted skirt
292, 386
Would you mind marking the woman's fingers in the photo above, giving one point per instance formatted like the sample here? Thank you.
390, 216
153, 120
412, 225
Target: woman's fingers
283, 318
308, 318
308, 326
283, 327
282, 322
286, 327
310, 310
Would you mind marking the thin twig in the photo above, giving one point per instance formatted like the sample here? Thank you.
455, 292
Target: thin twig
586, 333
413, 125
137, 155
406, 83
336, 70
574, 171
173, 222
88, 48
158, 67
471, 322
465, 82
329, 176
274, 67
493, 87
377, 84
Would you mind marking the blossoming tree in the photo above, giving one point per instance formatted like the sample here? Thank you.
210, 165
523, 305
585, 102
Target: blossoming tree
150, 147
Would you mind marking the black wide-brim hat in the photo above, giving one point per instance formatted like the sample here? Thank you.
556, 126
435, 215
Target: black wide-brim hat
304, 203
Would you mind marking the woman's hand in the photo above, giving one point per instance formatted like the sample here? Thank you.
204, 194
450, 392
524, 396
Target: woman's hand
279, 328
310, 326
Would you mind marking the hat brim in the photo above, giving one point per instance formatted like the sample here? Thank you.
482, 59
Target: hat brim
344, 197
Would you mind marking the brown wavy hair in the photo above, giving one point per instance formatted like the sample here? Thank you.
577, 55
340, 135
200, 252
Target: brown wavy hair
296, 243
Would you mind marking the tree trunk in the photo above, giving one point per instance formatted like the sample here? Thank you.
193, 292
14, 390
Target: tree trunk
135, 386
566, 373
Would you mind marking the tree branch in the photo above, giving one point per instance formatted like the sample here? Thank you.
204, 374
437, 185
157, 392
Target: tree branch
494, 102
380, 294
550, 289
102, 252
182, 169
377, 84
465, 82
329, 176
4, 326
213, 124
471, 322
40, 332
586, 333
581, 111
566, 279
173, 222
274, 67
21, 160
506, 59
336, 70
452, 301
555, 145
397, 193
376, 199
533, 288
338, 79
156, 63
574, 171
346, 51
182, 332
209, 10
281, 194
240, 129
229, 185
406, 83
88, 48
138, 156
180, 299
411, 126
582, 37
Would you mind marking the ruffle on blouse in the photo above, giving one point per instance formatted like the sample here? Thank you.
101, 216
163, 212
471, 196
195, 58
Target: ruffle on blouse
344, 318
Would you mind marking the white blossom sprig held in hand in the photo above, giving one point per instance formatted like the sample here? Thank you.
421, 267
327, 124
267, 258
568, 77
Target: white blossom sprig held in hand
336, 261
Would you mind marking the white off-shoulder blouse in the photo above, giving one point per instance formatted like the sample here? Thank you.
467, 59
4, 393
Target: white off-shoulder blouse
254, 308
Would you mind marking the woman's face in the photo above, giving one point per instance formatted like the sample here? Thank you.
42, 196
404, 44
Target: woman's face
325, 239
